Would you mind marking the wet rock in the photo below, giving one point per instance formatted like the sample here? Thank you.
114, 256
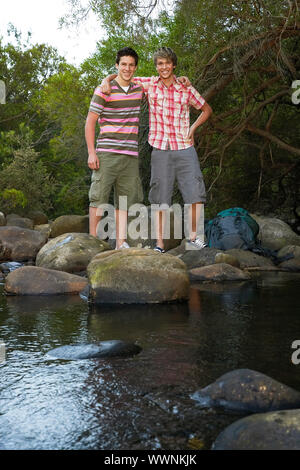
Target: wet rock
218, 272
2, 219
137, 276
228, 259
292, 264
275, 234
10, 266
198, 258
247, 390
32, 280
104, 349
247, 259
19, 244
18, 221
70, 252
278, 430
68, 224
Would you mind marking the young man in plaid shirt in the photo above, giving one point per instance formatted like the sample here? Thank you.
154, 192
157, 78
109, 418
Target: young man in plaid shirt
172, 138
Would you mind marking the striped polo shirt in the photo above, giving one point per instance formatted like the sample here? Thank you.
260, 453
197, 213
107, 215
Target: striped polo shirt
119, 115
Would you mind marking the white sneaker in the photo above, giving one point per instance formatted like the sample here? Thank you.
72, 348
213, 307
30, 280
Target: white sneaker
123, 246
196, 244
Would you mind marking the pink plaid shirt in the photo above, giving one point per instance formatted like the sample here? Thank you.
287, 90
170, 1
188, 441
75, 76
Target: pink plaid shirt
169, 112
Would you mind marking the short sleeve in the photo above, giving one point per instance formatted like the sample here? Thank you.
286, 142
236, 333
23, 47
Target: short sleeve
98, 101
195, 99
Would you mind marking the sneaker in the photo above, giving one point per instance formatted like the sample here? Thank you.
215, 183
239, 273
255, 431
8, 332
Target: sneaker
159, 249
196, 244
123, 246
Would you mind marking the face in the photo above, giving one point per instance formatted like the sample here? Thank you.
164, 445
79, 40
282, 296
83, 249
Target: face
126, 68
165, 68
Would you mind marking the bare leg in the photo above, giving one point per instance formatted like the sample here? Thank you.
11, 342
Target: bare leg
159, 228
95, 217
196, 221
121, 227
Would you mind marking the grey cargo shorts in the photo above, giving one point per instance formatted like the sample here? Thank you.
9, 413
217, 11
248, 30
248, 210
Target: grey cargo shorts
182, 165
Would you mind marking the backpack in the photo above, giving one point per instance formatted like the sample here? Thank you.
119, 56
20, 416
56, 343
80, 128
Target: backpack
232, 228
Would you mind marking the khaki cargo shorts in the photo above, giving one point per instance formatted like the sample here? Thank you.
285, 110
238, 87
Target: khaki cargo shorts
120, 172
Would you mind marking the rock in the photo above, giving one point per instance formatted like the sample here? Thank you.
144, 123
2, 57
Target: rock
10, 266
199, 258
2, 219
275, 234
70, 252
292, 264
278, 430
104, 349
18, 221
44, 228
19, 244
247, 390
218, 272
69, 224
31, 280
247, 259
137, 276
38, 217
228, 259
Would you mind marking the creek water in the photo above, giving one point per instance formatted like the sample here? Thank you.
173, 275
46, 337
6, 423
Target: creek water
141, 402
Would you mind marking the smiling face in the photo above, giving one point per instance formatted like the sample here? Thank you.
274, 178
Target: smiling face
165, 68
126, 69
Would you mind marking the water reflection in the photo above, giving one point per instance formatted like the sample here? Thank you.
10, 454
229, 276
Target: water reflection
102, 404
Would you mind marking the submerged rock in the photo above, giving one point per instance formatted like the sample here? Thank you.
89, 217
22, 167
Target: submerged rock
218, 272
32, 280
278, 430
70, 252
104, 349
247, 390
137, 276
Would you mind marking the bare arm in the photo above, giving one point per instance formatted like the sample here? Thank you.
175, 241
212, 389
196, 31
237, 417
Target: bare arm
90, 125
204, 116
105, 84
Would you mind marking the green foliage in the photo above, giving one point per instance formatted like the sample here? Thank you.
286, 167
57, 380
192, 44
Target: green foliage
13, 199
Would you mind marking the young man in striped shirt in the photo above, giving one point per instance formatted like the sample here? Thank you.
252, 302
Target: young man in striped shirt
114, 161
172, 138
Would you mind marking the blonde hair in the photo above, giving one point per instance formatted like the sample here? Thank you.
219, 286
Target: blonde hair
165, 53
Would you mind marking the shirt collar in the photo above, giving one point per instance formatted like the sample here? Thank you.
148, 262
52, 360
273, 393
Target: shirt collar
176, 83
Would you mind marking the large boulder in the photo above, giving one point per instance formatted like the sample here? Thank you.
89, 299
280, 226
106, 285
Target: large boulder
31, 280
70, 252
104, 349
275, 234
277, 430
38, 217
69, 224
18, 221
199, 258
19, 244
247, 390
137, 276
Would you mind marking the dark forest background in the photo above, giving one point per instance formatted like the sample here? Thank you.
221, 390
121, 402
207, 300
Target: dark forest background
242, 56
